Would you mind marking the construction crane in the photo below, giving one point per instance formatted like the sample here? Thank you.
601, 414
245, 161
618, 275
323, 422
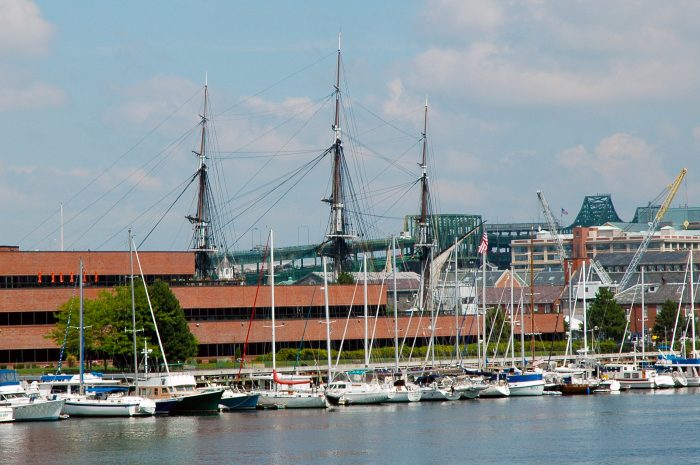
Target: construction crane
672, 189
553, 228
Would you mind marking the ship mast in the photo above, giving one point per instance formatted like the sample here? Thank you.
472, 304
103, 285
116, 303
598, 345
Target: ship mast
338, 233
425, 240
203, 238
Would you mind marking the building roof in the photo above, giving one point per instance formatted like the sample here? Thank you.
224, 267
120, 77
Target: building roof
656, 294
543, 295
24, 263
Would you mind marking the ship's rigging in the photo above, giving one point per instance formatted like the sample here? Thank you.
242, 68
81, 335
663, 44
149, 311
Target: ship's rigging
203, 240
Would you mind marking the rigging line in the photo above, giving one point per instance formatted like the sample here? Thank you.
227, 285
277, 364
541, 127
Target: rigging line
163, 153
390, 161
278, 178
276, 202
274, 84
250, 178
255, 302
308, 166
221, 184
176, 238
117, 160
390, 189
303, 333
281, 153
386, 122
194, 176
402, 196
125, 195
374, 216
123, 228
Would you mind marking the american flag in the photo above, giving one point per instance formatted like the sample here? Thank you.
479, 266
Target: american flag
484, 246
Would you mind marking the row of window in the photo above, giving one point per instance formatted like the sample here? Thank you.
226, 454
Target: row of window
71, 280
286, 313
27, 318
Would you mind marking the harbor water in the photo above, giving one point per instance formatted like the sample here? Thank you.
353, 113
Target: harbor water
642, 427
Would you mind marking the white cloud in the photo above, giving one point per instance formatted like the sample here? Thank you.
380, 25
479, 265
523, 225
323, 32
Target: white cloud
152, 100
22, 29
560, 53
475, 16
620, 162
34, 95
23, 35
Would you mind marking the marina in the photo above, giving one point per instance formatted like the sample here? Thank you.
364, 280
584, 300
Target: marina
353, 233
642, 427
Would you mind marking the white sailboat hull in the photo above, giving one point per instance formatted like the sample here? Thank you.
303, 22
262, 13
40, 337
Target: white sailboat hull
496, 390
295, 400
664, 381
397, 397
357, 398
526, 388
430, 394
117, 407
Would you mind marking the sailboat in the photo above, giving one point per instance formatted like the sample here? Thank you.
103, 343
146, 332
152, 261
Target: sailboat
297, 391
354, 390
400, 390
105, 402
684, 368
174, 393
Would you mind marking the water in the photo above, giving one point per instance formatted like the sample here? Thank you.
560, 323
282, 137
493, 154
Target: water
634, 427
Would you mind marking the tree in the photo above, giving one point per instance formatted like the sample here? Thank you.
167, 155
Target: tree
178, 342
108, 324
345, 278
666, 321
605, 313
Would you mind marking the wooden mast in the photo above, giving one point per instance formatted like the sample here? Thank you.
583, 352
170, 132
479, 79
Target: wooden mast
337, 234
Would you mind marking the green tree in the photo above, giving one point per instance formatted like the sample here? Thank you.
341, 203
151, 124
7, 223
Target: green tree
496, 325
178, 342
605, 313
666, 321
345, 278
108, 325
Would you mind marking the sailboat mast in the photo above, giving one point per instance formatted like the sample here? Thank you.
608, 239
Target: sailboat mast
82, 332
328, 320
644, 313
364, 263
272, 302
396, 305
585, 313
456, 306
133, 315
483, 307
512, 319
693, 353
532, 298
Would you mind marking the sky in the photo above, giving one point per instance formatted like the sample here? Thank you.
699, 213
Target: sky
100, 105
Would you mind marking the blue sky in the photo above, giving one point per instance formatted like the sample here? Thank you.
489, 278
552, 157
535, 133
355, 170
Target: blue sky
572, 98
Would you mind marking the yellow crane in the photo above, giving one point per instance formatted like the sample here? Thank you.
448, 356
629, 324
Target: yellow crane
672, 189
